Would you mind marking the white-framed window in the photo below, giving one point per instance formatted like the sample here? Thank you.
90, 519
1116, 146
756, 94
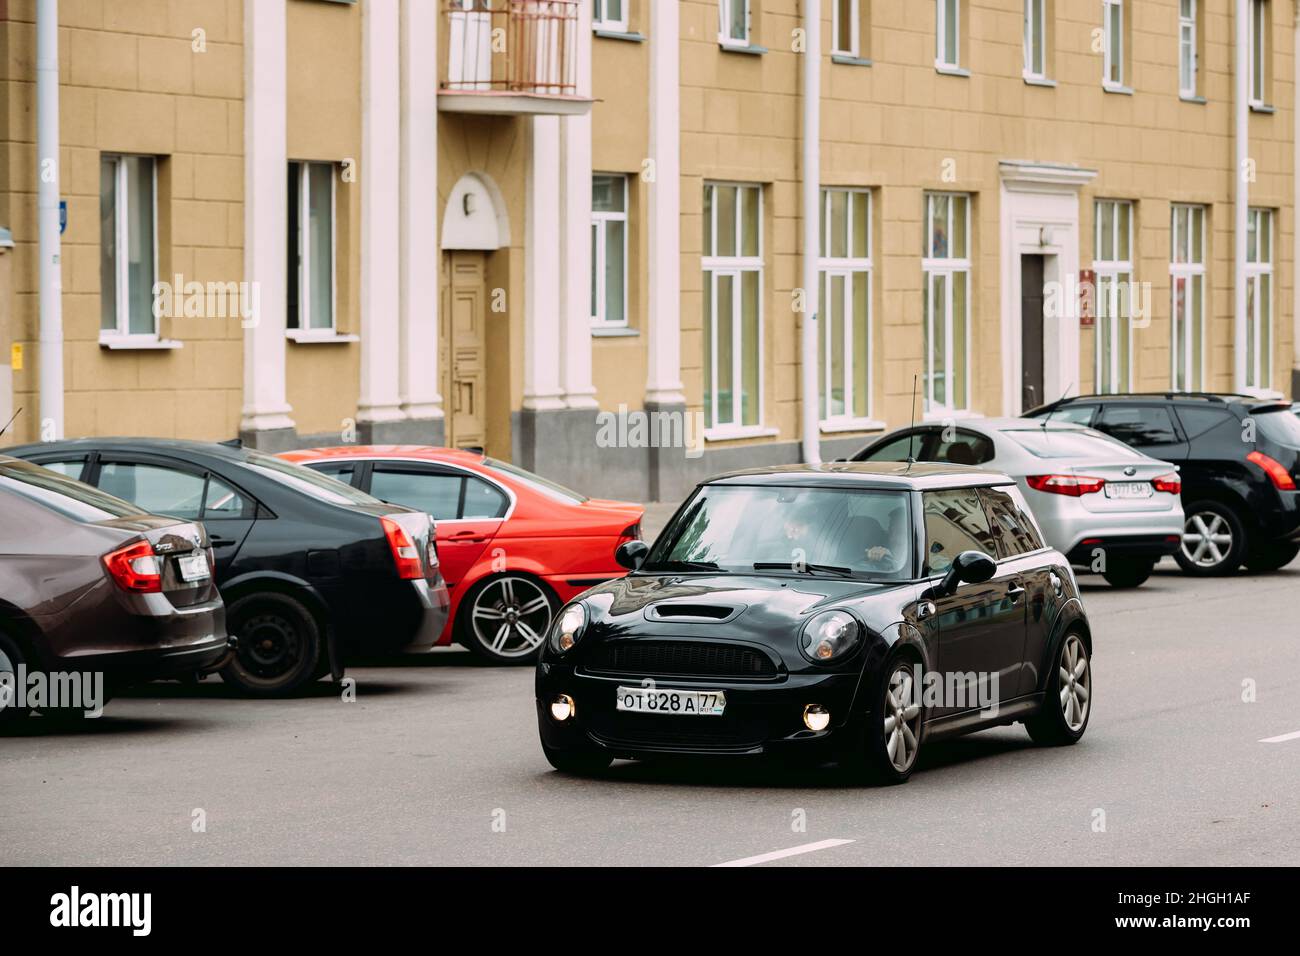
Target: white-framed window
1035, 39
1188, 17
733, 22
1259, 298
1112, 25
1112, 262
1187, 295
610, 15
845, 297
609, 251
848, 31
947, 34
311, 247
945, 296
128, 245
1258, 49
733, 306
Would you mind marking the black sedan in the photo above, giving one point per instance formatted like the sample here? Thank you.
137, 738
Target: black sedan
851, 611
312, 570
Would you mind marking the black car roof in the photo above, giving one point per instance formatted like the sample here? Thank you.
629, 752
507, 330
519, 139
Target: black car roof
162, 446
896, 475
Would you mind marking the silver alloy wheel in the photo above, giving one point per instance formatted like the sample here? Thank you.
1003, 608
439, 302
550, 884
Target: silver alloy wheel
1076, 683
1207, 539
902, 718
510, 616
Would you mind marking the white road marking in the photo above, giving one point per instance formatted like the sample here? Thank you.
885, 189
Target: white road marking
1281, 738
782, 854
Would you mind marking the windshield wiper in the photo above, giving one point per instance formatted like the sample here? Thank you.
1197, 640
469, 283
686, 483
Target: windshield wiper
683, 566
802, 569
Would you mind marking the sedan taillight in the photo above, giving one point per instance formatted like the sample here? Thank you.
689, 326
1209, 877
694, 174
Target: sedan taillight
405, 554
135, 568
1074, 486
1280, 477
631, 533
1168, 483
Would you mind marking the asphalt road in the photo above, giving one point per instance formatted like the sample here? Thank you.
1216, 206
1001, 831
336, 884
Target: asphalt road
437, 762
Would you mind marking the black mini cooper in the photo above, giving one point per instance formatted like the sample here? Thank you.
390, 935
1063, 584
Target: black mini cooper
849, 612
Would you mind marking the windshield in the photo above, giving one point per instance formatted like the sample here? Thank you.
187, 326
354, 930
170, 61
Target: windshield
309, 482
1279, 425
1071, 443
828, 531
536, 482
60, 493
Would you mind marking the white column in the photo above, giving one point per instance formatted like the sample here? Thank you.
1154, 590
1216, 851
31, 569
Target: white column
381, 141
418, 349
543, 390
575, 186
266, 210
812, 193
663, 324
1241, 197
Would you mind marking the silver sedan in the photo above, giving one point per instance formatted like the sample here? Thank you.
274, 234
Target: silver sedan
1110, 509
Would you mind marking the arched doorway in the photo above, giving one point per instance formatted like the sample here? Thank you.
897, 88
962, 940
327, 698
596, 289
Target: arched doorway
474, 225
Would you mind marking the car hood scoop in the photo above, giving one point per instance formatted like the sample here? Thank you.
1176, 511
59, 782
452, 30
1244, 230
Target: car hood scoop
695, 612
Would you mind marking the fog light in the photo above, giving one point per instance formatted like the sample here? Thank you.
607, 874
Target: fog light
815, 717
563, 707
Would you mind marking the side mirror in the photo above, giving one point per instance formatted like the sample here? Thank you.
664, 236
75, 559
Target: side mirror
631, 554
970, 567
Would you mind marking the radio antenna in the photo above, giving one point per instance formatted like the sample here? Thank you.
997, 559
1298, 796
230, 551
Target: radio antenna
11, 421
1055, 405
911, 437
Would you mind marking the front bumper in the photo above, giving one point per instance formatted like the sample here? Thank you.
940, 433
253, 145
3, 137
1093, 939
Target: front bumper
760, 716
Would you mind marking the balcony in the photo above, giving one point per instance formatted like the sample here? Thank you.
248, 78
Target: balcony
511, 57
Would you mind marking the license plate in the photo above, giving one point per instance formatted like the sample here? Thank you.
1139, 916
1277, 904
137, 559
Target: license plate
1128, 489
194, 567
674, 703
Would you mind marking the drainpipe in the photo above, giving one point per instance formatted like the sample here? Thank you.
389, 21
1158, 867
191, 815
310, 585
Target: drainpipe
1242, 198
812, 61
51, 281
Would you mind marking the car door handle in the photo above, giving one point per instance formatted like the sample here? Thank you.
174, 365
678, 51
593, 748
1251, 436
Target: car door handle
217, 541
924, 610
1015, 591
469, 537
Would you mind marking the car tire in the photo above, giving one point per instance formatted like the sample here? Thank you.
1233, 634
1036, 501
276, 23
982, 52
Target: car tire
1213, 541
1128, 572
11, 656
578, 763
279, 645
892, 723
519, 605
1067, 708
1273, 556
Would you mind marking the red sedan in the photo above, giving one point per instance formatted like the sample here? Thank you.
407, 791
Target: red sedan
513, 546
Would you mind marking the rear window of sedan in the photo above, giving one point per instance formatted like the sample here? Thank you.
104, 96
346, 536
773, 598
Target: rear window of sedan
64, 495
1074, 443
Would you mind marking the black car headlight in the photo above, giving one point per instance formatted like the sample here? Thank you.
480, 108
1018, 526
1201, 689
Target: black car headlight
830, 636
568, 628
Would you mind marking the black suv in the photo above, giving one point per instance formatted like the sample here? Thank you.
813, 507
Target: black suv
1239, 458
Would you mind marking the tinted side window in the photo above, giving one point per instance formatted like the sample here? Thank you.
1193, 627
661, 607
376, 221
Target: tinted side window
1011, 523
71, 468
158, 490
339, 470
224, 501
483, 500
1078, 414
966, 448
955, 521
1197, 421
438, 494
899, 449
1138, 425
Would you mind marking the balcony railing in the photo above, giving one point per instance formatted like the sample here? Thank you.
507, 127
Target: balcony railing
511, 56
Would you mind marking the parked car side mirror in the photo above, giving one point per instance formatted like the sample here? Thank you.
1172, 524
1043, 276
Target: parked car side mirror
631, 554
970, 567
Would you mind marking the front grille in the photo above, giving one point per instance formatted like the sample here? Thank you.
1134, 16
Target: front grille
686, 658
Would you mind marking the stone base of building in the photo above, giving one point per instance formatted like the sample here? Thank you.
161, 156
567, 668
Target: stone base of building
411, 431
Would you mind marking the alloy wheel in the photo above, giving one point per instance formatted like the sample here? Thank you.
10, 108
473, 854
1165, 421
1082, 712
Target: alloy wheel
902, 718
1207, 539
510, 616
1076, 683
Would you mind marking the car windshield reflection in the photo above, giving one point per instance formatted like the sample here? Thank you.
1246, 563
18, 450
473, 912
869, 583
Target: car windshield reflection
833, 532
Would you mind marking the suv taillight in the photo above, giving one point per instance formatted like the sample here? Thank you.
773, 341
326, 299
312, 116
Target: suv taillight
1280, 477
1074, 486
1168, 483
135, 568
405, 554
